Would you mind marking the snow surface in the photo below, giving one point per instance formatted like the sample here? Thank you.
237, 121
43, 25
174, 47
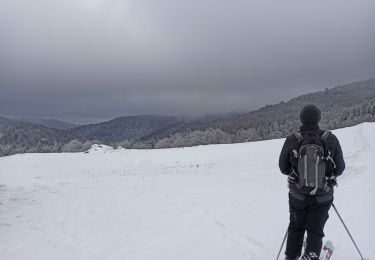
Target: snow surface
208, 202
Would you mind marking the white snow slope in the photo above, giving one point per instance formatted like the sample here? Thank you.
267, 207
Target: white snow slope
201, 203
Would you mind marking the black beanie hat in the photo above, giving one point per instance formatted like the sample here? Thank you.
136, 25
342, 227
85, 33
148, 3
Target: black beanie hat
310, 115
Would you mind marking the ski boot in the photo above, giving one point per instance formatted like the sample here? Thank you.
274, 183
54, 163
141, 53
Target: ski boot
310, 256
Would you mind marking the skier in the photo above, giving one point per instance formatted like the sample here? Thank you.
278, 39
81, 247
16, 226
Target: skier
309, 203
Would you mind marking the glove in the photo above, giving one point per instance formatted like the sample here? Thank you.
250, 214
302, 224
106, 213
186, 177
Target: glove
331, 181
293, 178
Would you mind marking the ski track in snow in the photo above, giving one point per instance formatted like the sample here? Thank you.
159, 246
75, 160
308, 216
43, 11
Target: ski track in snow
219, 202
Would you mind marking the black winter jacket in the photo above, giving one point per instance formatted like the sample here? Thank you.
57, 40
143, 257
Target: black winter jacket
291, 143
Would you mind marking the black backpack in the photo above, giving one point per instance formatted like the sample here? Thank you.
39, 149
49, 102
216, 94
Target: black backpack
313, 162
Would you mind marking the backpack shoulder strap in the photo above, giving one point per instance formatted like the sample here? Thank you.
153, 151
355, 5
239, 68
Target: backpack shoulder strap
325, 135
298, 135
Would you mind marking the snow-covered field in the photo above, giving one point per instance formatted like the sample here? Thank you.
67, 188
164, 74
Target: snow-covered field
201, 203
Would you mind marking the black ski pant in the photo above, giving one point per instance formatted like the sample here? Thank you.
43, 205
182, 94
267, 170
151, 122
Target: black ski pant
306, 215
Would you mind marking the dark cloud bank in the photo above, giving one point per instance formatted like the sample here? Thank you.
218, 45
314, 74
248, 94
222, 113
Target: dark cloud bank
96, 59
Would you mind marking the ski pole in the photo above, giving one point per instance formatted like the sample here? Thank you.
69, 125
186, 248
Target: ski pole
282, 244
347, 230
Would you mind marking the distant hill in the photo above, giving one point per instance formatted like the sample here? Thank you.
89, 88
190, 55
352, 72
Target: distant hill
122, 128
344, 105
186, 123
21, 137
339, 106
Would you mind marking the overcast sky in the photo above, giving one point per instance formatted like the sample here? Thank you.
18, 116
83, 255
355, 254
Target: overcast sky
88, 60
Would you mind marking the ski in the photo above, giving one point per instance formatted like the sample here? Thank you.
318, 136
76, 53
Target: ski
327, 250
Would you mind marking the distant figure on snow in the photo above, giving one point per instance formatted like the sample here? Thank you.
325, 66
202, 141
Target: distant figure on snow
312, 159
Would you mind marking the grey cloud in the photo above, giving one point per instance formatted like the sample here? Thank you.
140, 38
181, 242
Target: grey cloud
104, 58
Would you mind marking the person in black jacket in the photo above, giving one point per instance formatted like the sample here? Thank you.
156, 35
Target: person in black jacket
308, 212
